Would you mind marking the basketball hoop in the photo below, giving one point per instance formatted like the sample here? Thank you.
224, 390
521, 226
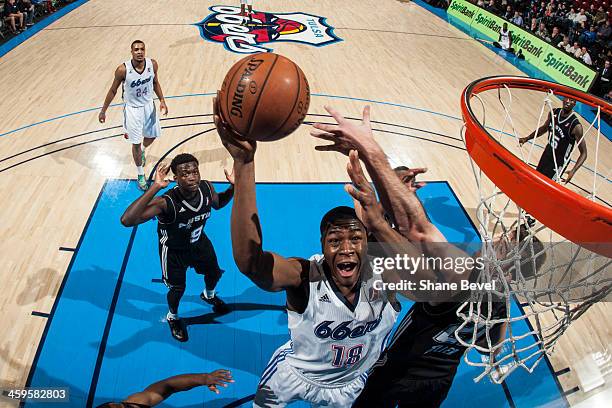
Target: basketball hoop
555, 281
571, 215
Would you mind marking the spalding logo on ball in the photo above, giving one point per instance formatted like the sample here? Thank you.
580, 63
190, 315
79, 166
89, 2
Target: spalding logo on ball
264, 97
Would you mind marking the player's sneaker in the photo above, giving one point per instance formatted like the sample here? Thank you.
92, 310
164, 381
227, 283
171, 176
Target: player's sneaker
143, 158
178, 329
142, 182
219, 306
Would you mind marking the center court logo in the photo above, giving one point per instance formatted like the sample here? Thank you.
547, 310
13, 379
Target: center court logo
224, 26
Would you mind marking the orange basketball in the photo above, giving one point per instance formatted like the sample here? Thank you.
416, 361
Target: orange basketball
264, 97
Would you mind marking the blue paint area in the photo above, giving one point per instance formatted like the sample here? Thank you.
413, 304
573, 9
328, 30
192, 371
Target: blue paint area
585, 111
39, 26
140, 349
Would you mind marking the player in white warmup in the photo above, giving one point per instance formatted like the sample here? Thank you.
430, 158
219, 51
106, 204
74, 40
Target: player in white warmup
140, 120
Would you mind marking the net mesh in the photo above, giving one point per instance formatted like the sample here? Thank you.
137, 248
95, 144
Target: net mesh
543, 281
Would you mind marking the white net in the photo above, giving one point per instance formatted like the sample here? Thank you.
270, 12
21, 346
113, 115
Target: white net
543, 281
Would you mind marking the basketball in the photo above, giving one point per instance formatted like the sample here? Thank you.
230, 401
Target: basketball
264, 97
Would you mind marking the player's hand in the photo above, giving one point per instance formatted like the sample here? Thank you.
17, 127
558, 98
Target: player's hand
568, 177
409, 178
523, 140
242, 151
161, 175
102, 117
163, 108
229, 176
218, 378
347, 135
367, 207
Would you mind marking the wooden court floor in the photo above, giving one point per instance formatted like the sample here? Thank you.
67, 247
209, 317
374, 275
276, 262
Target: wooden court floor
410, 64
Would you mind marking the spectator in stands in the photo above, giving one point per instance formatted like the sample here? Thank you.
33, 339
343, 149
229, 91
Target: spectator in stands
481, 3
585, 56
575, 50
565, 44
543, 32
556, 37
590, 36
517, 19
509, 14
491, 7
12, 15
608, 96
27, 8
580, 18
604, 31
570, 16
534, 25
600, 16
603, 81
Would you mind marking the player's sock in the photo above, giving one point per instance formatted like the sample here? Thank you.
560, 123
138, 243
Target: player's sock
140, 170
209, 294
172, 316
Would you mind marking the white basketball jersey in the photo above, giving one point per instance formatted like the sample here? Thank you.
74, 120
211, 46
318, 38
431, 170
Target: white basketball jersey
505, 38
138, 88
333, 342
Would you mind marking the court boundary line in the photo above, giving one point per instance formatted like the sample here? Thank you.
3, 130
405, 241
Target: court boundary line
60, 291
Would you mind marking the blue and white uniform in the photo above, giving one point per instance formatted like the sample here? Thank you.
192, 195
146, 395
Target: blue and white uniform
140, 115
333, 344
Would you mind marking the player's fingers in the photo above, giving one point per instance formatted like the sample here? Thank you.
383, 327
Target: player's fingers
323, 135
366, 115
419, 185
357, 170
213, 389
335, 114
328, 148
418, 170
353, 192
326, 127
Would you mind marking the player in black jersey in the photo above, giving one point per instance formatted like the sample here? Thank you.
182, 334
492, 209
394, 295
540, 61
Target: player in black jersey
182, 213
156, 393
567, 131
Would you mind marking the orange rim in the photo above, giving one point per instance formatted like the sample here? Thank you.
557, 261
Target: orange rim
571, 215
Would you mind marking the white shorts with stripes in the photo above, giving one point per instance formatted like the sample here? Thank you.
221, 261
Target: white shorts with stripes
281, 384
141, 121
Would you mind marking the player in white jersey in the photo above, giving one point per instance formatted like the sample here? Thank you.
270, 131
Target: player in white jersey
141, 122
247, 15
338, 318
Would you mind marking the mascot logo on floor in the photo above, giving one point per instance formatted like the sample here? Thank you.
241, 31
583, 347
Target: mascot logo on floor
226, 25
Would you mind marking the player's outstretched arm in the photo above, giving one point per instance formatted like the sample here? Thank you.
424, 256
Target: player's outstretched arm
267, 270
110, 95
394, 244
536, 133
397, 199
154, 394
147, 205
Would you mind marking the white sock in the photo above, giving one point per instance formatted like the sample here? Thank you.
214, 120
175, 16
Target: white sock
209, 294
172, 316
140, 170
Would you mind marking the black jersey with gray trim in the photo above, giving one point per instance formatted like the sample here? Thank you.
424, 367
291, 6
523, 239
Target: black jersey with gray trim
181, 225
424, 346
560, 139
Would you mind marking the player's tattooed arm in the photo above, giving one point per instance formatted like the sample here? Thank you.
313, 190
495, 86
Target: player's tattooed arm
110, 95
267, 270
147, 205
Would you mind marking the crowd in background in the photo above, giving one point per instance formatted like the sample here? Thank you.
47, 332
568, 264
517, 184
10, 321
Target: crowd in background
18, 15
584, 34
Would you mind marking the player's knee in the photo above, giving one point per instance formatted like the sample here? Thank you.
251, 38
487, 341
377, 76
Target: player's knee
176, 289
